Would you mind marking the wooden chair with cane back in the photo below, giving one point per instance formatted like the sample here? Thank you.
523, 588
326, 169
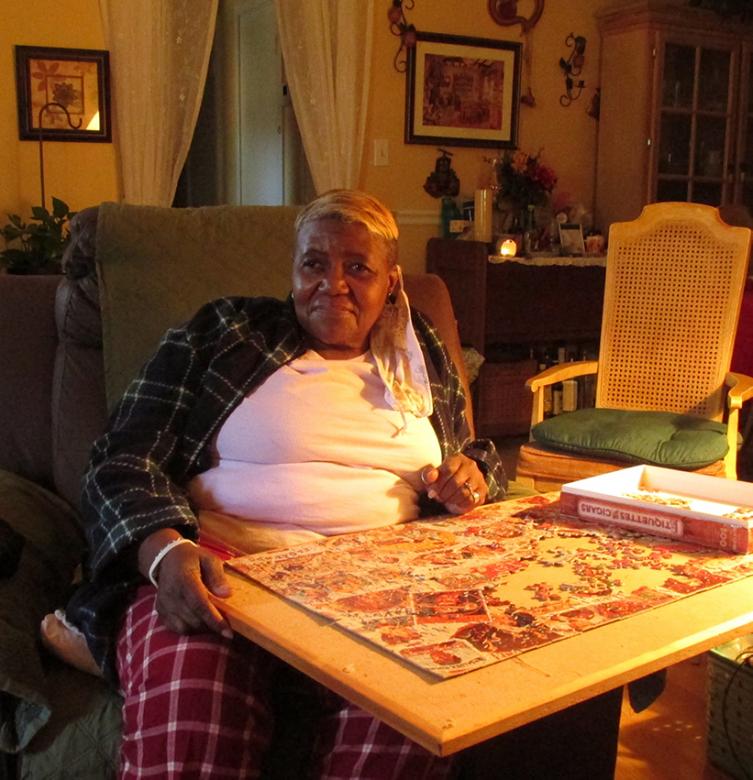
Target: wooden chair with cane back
664, 391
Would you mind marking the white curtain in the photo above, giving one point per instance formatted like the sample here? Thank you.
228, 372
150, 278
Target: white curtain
159, 53
326, 47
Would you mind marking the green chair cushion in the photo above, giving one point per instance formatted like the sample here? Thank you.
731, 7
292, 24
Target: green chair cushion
660, 438
35, 583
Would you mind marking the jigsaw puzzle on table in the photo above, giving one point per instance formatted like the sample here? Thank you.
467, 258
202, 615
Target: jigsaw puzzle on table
454, 594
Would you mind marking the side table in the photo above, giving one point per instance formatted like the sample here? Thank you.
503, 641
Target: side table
511, 310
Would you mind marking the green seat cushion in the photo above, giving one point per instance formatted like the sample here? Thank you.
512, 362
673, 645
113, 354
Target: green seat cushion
661, 438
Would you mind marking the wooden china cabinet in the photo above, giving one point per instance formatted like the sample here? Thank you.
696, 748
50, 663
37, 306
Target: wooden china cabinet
676, 117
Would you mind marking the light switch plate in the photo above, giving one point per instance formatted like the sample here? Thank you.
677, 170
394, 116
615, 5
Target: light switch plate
381, 151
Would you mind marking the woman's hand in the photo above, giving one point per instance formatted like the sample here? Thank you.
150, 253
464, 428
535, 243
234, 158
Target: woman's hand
457, 483
186, 577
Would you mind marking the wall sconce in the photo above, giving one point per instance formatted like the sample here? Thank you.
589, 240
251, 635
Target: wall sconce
572, 66
406, 32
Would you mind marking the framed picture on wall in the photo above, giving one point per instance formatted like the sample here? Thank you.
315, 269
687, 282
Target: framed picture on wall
63, 94
462, 91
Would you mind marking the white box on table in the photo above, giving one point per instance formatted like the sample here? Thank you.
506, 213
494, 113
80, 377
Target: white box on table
603, 499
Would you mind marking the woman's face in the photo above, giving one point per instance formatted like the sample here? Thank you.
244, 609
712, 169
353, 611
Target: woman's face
341, 279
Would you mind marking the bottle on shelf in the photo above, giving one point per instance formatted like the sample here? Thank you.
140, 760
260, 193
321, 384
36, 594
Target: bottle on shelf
449, 213
557, 386
529, 231
587, 383
569, 395
567, 354
557, 399
544, 361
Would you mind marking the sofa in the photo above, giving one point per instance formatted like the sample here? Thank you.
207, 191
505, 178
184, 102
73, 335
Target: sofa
68, 345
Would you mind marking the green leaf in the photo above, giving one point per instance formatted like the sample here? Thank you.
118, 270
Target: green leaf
59, 208
11, 232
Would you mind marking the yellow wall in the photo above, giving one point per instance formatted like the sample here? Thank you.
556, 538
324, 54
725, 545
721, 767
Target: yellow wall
566, 135
85, 173
82, 174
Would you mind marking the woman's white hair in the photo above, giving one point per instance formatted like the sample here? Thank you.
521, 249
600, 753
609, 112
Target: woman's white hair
356, 207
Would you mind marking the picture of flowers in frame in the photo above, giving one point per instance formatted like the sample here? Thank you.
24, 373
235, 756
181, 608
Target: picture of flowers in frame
63, 94
462, 91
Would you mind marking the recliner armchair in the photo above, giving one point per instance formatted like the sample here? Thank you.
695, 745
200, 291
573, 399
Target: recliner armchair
55, 720
52, 407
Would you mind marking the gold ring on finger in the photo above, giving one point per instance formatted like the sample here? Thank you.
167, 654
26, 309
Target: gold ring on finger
474, 495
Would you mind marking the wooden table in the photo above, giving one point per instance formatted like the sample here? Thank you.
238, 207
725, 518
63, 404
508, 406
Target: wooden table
445, 716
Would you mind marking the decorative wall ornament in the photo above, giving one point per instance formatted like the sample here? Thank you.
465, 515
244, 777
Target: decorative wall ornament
400, 27
528, 98
443, 180
505, 12
572, 67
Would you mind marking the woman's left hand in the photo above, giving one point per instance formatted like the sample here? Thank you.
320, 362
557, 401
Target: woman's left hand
457, 483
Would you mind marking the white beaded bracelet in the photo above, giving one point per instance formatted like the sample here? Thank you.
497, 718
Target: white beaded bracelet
162, 553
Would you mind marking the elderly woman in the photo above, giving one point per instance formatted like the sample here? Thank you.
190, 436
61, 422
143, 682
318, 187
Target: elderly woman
264, 423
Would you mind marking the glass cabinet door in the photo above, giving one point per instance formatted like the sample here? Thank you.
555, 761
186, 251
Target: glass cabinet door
743, 170
695, 124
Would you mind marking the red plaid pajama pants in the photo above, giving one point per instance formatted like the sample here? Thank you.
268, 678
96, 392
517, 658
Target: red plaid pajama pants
200, 706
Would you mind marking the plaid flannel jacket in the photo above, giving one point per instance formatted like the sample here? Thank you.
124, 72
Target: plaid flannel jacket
158, 438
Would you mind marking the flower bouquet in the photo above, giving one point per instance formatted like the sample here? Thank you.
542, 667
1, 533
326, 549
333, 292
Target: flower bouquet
523, 181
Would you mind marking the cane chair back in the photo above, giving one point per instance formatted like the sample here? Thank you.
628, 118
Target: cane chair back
674, 283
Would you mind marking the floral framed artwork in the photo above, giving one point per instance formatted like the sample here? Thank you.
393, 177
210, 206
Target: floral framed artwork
462, 91
63, 94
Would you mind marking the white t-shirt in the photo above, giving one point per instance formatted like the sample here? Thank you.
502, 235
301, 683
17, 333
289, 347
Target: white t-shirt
317, 447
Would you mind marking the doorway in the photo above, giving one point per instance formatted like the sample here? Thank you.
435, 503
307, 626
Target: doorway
247, 147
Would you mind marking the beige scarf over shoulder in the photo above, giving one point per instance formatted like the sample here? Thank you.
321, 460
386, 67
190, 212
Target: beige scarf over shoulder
399, 358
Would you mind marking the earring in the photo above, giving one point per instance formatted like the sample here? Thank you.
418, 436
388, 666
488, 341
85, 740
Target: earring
391, 298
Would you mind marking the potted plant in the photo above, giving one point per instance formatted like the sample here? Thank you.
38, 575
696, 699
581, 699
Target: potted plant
36, 247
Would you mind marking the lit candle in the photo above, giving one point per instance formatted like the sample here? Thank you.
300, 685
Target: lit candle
508, 248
